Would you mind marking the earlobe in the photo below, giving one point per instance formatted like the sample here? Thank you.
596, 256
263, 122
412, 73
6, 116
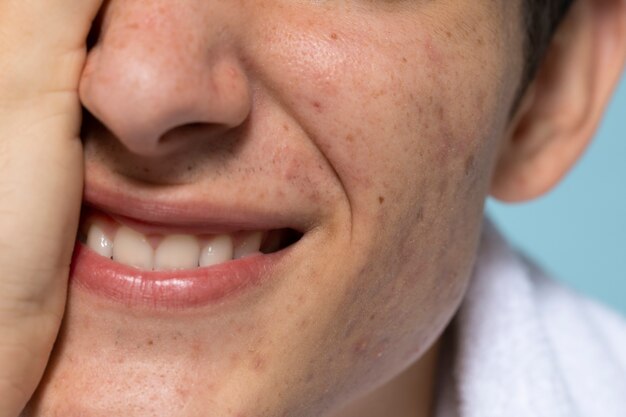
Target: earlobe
561, 110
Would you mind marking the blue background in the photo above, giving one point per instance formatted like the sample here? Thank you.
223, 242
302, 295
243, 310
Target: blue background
578, 231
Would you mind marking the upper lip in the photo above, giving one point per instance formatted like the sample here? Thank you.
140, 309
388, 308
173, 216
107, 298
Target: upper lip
162, 213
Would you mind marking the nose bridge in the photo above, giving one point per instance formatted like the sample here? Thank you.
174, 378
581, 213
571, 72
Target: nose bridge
162, 64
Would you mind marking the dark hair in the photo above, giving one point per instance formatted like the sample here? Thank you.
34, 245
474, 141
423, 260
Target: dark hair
541, 19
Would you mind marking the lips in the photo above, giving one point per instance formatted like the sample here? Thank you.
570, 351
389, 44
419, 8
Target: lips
170, 262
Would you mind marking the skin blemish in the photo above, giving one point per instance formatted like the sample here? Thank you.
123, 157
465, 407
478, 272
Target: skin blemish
350, 138
317, 105
234, 359
360, 347
440, 113
258, 363
381, 199
420, 215
334, 36
469, 165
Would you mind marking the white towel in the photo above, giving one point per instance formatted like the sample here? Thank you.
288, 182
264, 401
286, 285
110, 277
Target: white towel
523, 345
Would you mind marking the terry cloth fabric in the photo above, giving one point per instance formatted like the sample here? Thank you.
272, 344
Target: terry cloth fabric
522, 345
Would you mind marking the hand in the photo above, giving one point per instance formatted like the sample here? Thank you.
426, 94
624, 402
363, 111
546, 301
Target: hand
42, 53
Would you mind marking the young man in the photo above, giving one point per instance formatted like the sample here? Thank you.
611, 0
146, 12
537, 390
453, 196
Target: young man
282, 207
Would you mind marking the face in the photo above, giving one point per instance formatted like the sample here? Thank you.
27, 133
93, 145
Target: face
369, 127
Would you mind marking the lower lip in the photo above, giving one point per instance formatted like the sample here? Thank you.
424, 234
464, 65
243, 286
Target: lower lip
169, 290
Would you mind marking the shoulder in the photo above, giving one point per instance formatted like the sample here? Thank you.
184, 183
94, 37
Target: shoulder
578, 325
526, 344
588, 343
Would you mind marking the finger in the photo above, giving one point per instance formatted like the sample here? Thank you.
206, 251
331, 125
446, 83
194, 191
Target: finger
40, 181
42, 44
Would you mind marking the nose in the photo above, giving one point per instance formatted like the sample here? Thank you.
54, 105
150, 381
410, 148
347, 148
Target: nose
159, 67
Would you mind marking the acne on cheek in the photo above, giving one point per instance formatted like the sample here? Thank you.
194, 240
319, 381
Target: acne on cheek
457, 115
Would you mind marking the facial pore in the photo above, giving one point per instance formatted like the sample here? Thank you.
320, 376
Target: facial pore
377, 122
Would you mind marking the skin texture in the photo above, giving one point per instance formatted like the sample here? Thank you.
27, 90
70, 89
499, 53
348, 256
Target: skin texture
383, 124
377, 121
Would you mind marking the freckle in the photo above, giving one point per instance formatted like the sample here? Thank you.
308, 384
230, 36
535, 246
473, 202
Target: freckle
381, 199
469, 165
350, 138
440, 113
448, 34
309, 377
303, 323
373, 316
420, 215
334, 36
150, 342
189, 168
182, 392
379, 93
286, 128
404, 59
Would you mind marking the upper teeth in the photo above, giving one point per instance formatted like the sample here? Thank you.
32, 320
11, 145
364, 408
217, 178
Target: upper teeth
178, 251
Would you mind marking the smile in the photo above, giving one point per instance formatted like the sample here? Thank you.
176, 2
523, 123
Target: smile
153, 262
176, 251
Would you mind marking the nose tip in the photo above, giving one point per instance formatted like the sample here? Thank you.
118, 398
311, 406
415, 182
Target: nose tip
140, 86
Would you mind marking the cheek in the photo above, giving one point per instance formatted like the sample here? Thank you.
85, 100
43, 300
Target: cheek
409, 127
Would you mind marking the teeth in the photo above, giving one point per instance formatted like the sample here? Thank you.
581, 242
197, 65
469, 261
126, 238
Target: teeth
217, 250
248, 245
177, 252
174, 252
132, 248
99, 242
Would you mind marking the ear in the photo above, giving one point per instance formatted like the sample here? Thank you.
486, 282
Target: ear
563, 107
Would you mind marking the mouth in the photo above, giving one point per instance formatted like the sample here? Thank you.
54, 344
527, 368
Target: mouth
159, 265
149, 248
